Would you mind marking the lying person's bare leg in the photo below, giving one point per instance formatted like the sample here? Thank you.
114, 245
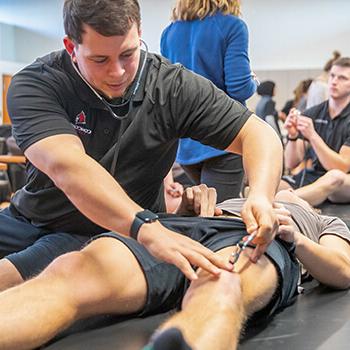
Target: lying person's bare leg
76, 285
214, 310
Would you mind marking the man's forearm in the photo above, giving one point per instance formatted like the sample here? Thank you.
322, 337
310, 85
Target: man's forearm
327, 265
327, 157
294, 153
96, 194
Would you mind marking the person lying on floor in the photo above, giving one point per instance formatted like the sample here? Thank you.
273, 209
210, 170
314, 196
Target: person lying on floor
127, 280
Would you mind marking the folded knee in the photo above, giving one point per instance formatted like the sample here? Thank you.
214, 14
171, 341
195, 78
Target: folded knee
335, 178
285, 195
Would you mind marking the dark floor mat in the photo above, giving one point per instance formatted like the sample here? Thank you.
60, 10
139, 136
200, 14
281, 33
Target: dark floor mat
320, 319
340, 210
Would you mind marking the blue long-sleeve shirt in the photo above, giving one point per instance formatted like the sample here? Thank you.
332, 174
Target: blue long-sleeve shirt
215, 47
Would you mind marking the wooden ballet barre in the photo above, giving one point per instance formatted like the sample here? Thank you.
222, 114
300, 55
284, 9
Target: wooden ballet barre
6, 158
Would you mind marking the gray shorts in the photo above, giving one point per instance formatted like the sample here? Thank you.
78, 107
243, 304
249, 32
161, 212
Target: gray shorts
167, 285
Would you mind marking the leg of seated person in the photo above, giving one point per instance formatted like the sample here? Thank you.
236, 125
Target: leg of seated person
342, 193
290, 196
104, 277
215, 309
283, 185
318, 191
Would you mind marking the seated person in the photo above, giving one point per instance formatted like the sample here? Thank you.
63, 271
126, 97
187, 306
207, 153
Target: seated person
266, 106
82, 284
326, 128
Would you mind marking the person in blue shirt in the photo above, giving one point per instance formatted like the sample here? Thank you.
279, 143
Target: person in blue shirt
209, 38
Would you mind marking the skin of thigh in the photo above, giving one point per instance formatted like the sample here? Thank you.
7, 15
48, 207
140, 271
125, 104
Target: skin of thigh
108, 278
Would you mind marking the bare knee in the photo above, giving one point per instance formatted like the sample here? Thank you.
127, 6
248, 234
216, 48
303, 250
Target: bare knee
78, 274
286, 195
225, 291
335, 178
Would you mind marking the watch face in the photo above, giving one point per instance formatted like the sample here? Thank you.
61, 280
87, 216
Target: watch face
147, 216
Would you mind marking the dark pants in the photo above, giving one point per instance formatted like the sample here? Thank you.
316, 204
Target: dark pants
224, 173
29, 248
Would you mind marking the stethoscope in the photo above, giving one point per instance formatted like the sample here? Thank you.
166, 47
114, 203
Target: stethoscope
129, 101
109, 106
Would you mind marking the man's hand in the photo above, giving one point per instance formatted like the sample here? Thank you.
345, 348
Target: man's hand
286, 230
180, 251
305, 126
258, 215
199, 201
174, 189
290, 123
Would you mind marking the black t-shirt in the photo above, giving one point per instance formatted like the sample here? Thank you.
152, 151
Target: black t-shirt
334, 132
49, 98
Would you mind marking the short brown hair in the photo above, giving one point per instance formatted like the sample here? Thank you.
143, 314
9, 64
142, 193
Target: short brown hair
342, 62
327, 67
188, 10
107, 17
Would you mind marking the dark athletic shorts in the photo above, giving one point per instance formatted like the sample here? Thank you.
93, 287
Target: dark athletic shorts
29, 248
303, 178
166, 283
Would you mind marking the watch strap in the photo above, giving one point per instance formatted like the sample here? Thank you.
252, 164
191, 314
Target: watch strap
142, 217
292, 138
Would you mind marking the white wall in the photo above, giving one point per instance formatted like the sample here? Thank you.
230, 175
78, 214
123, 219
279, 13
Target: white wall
289, 40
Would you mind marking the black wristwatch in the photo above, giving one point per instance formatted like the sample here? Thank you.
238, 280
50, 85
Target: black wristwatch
142, 217
292, 138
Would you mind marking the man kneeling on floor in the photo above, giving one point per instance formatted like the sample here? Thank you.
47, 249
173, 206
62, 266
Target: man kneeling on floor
82, 284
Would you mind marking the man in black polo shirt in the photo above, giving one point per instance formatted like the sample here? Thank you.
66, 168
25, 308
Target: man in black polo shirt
326, 128
99, 124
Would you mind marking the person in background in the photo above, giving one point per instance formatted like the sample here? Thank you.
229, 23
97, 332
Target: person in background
299, 100
209, 38
326, 128
318, 91
266, 107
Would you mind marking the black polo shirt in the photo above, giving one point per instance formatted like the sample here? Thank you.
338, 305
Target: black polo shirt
334, 132
49, 98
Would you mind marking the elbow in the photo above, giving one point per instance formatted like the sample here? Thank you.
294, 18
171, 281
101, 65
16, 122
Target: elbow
342, 281
342, 284
290, 164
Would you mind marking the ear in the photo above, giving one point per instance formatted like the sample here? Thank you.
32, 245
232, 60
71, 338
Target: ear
69, 45
140, 36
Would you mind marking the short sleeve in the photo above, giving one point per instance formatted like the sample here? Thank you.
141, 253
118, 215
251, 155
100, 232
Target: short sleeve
203, 112
35, 109
335, 226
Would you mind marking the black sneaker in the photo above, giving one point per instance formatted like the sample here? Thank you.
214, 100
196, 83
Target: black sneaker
170, 339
